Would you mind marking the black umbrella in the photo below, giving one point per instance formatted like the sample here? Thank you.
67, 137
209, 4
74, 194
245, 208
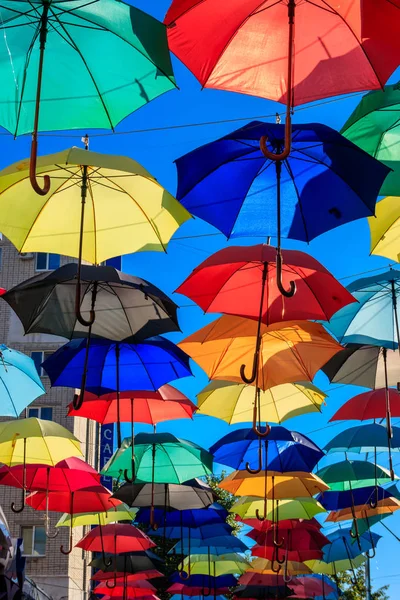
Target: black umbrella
190, 495
128, 563
263, 592
127, 307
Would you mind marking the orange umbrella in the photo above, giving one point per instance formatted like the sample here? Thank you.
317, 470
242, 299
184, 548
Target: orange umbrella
274, 485
290, 351
385, 506
264, 566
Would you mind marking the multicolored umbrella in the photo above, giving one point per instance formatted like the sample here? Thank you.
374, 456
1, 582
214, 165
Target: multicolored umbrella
191, 494
20, 382
374, 127
83, 66
289, 352
233, 402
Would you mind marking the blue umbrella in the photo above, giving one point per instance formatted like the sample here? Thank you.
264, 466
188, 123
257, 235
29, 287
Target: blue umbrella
213, 514
206, 581
20, 382
351, 498
224, 544
107, 366
364, 438
326, 181
284, 450
325, 580
341, 545
183, 597
200, 533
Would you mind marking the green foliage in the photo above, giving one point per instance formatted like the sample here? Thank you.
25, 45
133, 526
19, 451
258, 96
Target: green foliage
224, 498
358, 591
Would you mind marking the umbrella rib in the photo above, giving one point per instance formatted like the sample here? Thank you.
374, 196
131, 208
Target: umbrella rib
94, 219
383, 133
27, 61
86, 66
9, 395
292, 177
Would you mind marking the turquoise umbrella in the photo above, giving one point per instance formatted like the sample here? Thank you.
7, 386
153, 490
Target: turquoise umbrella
72, 64
20, 382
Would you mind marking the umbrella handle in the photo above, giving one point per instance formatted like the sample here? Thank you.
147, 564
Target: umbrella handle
252, 378
71, 544
19, 510
78, 314
110, 587
287, 578
286, 151
292, 286
126, 476
273, 566
33, 158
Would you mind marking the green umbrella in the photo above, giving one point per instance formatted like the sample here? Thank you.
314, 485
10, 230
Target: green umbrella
375, 127
72, 64
159, 458
352, 474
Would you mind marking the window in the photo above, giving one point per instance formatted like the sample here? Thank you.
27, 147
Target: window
41, 412
115, 262
38, 357
34, 538
47, 262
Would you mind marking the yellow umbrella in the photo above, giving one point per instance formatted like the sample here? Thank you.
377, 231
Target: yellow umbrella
233, 402
273, 485
202, 564
290, 351
263, 566
118, 513
126, 211
385, 228
385, 506
319, 566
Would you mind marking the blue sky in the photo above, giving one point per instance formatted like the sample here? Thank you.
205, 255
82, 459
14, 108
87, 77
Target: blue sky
161, 134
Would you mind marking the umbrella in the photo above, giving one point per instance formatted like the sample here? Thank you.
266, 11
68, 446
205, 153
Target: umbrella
287, 35
160, 458
127, 306
33, 441
139, 578
364, 438
241, 280
128, 563
368, 405
223, 544
198, 564
384, 226
200, 532
197, 517
201, 585
297, 527
262, 566
233, 402
115, 538
281, 485
84, 65
341, 545
352, 474
20, 382
112, 366
229, 184
284, 450
374, 127
167, 403
299, 544
309, 587
319, 566
387, 506
264, 592
352, 498
70, 474
113, 515
95, 498
301, 508
125, 592
292, 351
265, 526
191, 494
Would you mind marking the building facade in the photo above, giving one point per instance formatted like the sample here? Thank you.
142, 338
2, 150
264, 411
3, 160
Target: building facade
62, 577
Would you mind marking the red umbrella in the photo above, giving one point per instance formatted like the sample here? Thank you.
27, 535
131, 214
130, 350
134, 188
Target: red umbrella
88, 500
129, 577
70, 474
302, 534
166, 404
186, 590
286, 50
310, 587
285, 524
369, 405
115, 538
266, 580
125, 592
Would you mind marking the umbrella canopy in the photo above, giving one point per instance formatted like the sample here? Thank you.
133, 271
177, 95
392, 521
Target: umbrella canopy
70, 474
126, 306
91, 499
264, 592
372, 320
351, 498
125, 592
384, 226
33, 441
369, 405
233, 402
293, 351
128, 211
233, 280
352, 474
387, 506
161, 458
200, 532
112, 515
341, 546
298, 554
223, 544
189, 495
166, 404
296, 534
218, 45
299, 544
196, 585
301, 508
20, 382
186, 518
374, 127
128, 563
319, 566
309, 587
363, 365
115, 538
262, 566
138, 578
284, 450
264, 526
150, 364
288, 485
198, 564
232, 185
364, 438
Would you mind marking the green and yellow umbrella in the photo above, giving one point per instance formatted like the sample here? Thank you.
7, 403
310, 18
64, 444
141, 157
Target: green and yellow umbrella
233, 402
214, 566
338, 566
247, 507
113, 515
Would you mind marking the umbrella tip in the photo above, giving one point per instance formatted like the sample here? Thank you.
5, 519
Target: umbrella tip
85, 141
